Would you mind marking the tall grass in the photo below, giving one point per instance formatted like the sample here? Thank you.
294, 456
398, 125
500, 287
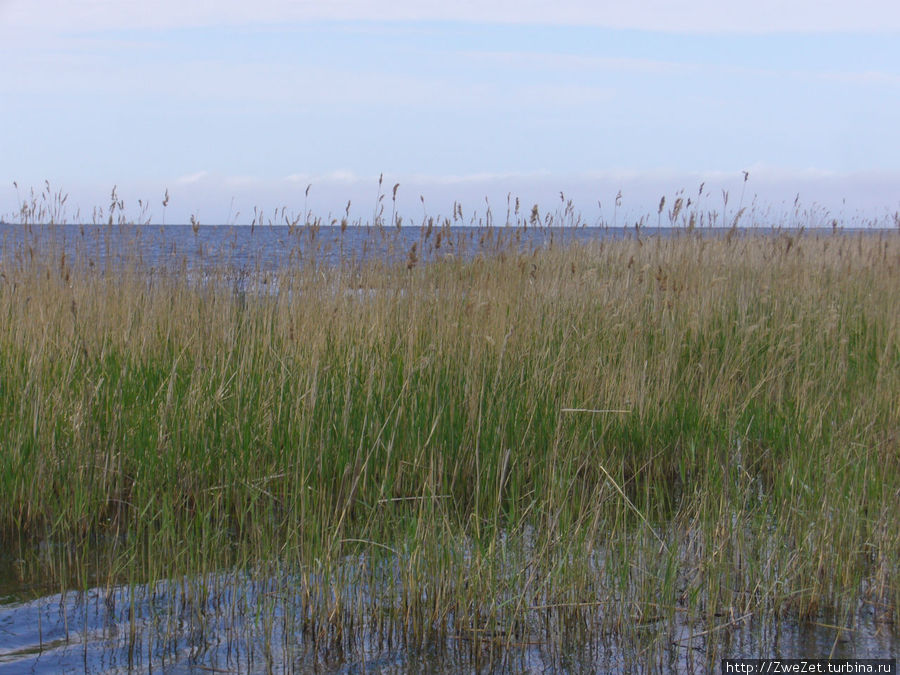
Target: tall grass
523, 448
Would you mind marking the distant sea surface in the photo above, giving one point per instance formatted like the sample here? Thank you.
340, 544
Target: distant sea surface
271, 248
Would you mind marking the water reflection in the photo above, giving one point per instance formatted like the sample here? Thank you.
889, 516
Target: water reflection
238, 623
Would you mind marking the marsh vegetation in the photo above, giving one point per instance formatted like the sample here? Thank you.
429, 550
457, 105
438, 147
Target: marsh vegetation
635, 447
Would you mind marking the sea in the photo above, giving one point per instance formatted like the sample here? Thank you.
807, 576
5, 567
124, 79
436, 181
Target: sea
246, 249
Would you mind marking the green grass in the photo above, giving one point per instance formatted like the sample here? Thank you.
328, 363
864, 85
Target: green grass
157, 428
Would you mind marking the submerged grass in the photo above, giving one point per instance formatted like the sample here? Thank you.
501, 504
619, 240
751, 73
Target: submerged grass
599, 441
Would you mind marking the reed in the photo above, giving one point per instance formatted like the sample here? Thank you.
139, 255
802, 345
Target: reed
550, 447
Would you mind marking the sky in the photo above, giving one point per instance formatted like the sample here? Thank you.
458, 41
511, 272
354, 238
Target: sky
231, 106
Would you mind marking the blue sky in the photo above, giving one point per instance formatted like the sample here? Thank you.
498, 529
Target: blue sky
238, 106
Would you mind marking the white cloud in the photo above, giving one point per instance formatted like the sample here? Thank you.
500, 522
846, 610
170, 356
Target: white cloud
192, 178
665, 15
340, 176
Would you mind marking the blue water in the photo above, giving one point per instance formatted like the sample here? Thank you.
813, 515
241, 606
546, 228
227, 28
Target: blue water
270, 248
234, 623
273, 248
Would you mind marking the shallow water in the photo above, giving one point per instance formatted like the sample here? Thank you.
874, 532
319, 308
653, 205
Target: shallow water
235, 623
